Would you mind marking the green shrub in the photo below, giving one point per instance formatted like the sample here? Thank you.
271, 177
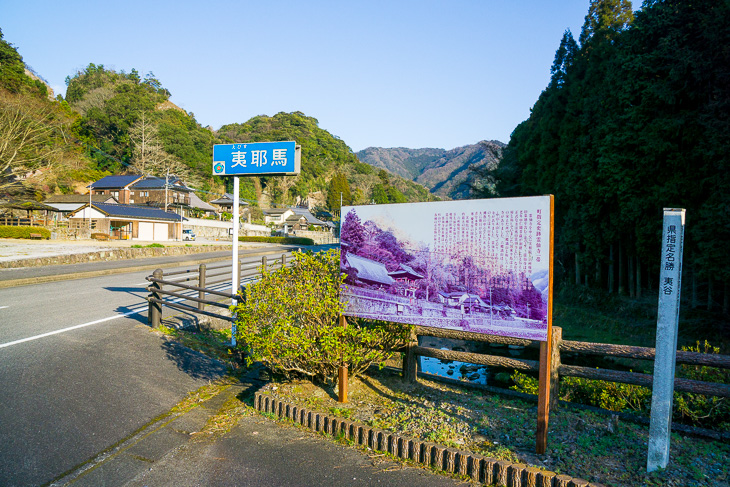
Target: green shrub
697, 409
8, 231
281, 240
150, 246
613, 396
290, 322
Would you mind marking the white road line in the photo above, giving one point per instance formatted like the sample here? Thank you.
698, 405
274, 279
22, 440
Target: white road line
83, 325
63, 330
3, 307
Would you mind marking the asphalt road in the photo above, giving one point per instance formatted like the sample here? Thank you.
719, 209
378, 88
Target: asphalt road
80, 370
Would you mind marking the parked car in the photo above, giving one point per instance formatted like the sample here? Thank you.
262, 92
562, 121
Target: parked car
188, 235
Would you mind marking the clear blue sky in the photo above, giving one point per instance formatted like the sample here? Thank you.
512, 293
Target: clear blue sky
386, 74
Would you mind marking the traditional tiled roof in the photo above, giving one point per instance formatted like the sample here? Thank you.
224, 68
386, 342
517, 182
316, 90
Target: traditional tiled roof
115, 182
406, 271
196, 202
227, 200
369, 270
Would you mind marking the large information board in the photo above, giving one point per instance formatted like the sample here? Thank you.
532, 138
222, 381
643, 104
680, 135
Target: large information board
257, 159
478, 265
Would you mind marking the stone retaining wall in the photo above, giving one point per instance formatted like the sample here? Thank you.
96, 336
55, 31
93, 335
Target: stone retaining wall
476, 467
112, 254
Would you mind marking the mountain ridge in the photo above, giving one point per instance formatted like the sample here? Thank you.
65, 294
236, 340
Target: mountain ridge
446, 173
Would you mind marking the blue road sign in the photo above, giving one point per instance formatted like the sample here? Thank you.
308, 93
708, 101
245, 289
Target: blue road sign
257, 159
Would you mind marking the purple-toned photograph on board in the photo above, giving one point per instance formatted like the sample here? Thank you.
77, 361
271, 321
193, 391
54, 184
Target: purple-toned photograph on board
476, 265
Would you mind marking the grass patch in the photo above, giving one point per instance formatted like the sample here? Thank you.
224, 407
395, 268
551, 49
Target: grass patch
213, 343
150, 246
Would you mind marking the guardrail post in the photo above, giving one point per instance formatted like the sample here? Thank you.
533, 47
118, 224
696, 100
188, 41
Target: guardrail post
410, 360
240, 273
201, 284
264, 264
283, 260
557, 339
154, 313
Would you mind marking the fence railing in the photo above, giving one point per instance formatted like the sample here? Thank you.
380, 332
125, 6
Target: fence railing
176, 285
557, 368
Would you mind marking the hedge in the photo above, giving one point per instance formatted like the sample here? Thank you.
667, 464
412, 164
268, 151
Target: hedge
279, 240
7, 231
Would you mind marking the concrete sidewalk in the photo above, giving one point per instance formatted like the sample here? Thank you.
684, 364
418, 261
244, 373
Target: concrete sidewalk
179, 450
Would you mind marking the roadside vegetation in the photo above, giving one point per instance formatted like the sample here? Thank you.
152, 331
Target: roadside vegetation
601, 445
9, 231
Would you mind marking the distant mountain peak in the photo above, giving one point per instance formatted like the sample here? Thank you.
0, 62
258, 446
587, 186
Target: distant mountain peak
446, 173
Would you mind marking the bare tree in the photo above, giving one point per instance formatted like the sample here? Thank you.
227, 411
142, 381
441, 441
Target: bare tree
29, 128
148, 156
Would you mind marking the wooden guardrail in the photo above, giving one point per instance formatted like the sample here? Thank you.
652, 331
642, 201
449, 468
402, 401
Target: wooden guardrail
174, 284
558, 369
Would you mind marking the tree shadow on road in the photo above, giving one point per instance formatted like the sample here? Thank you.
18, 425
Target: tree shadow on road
195, 364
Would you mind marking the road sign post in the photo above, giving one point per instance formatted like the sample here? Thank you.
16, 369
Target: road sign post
251, 159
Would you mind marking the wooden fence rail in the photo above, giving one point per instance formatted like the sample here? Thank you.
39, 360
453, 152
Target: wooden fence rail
558, 369
248, 270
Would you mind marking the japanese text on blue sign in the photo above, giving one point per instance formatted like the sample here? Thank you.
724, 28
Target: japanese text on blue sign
255, 158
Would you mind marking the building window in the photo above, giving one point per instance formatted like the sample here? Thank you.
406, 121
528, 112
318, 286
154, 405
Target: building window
131, 201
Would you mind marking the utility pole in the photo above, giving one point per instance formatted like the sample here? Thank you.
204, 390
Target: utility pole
90, 187
167, 179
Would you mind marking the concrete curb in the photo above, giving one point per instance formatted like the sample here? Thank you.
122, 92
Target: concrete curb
104, 272
476, 467
123, 270
112, 254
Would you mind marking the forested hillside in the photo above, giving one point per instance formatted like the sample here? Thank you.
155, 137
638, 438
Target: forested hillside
329, 166
114, 122
634, 120
129, 125
446, 173
35, 153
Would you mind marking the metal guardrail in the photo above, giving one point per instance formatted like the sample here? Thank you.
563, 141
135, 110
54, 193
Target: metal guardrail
205, 276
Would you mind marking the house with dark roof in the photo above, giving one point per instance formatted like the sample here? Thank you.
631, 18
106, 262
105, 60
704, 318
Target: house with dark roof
144, 190
116, 186
154, 191
127, 221
225, 203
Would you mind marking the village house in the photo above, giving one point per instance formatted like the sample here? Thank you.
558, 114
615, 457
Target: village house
225, 203
141, 190
289, 220
67, 203
127, 222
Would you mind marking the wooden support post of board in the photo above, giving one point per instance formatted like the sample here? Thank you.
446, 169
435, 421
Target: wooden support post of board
410, 361
342, 376
543, 397
557, 337
546, 354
